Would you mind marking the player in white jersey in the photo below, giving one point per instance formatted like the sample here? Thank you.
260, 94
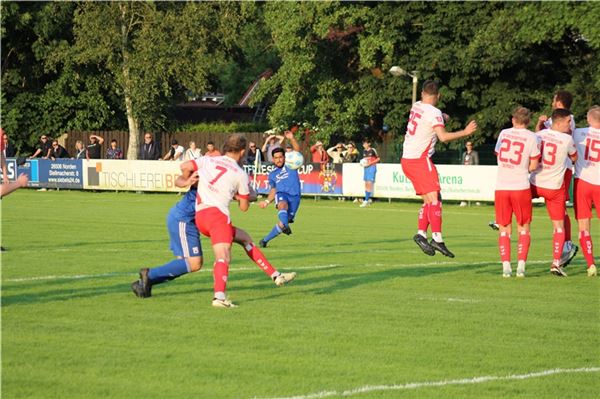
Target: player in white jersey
425, 127
563, 99
587, 183
221, 179
548, 180
518, 153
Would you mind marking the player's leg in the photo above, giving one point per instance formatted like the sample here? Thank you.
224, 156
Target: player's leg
555, 205
185, 244
282, 215
569, 249
222, 251
434, 212
503, 210
523, 210
243, 238
586, 195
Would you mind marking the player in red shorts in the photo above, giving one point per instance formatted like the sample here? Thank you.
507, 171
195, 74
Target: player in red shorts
518, 153
425, 126
587, 183
548, 180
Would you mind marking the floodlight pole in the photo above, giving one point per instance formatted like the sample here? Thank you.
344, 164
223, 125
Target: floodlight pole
397, 71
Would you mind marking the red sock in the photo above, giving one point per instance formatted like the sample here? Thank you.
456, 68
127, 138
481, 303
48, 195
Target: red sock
567, 222
259, 258
558, 240
220, 273
524, 242
435, 217
504, 246
587, 247
423, 223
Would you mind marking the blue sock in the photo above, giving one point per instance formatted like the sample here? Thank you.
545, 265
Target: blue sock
283, 217
171, 270
367, 195
274, 233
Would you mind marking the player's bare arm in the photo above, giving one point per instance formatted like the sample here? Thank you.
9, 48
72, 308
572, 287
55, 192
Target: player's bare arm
187, 169
445, 136
265, 203
183, 182
540, 123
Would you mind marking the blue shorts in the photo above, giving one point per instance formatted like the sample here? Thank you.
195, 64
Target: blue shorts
369, 173
184, 237
293, 202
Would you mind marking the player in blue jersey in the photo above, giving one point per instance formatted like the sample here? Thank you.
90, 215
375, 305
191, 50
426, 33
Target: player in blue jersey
185, 244
369, 162
285, 190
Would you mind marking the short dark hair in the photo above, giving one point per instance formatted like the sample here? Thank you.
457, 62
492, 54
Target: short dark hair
431, 87
276, 150
235, 143
210, 142
113, 141
173, 142
565, 98
560, 113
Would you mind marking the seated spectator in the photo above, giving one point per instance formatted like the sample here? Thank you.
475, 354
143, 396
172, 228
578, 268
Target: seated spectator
211, 151
44, 147
94, 149
175, 152
80, 150
351, 153
273, 141
319, 155
114, 152
193, 152
337, 153
58, 151
253, 153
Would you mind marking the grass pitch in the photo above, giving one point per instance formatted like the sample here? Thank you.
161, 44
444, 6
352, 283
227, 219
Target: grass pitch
369, 315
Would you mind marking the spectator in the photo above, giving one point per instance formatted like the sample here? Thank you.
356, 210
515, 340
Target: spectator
273, 141
193, 152
114, 152
9, 148
58, 151
80, 151
211, 151
319, 155
175, 153
253, 153
94, 149
337, 153
470, 157
7, 186
351, 153
289, 148
149, 150
44, 148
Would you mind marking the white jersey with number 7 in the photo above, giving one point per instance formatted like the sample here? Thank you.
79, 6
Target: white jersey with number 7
420, 138
587, 167
514, 149
219, 180
555, 148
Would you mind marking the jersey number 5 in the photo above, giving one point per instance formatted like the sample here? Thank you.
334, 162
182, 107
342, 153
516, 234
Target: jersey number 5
222, 171
412, 123
592, 147
511, 148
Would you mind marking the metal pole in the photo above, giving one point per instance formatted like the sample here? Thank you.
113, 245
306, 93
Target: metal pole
414, 94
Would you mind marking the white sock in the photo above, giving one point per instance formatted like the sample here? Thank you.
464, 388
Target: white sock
422, 233
220, 295
437, 237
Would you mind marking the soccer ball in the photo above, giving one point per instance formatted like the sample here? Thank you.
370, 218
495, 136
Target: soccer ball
364, 162
294, 160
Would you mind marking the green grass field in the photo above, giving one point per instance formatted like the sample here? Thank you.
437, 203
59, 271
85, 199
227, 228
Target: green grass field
369, 315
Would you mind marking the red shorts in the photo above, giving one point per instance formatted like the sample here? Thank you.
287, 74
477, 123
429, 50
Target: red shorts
567, 183
508, 202
555, 200
586, 194
422, 174
215, 224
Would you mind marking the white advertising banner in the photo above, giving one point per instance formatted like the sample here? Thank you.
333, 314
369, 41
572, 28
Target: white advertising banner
107, 174
458, 182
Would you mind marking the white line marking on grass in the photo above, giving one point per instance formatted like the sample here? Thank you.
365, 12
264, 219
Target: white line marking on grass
429, 384
86, 276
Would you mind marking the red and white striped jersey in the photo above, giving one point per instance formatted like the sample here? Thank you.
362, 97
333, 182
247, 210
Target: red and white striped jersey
514, 150
420, 138
587, 142
556, 148
220, 179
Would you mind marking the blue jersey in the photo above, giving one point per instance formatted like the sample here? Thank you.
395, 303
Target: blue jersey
185, 209
285, 180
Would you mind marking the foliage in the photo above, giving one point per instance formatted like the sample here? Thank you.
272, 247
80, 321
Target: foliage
233, 127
